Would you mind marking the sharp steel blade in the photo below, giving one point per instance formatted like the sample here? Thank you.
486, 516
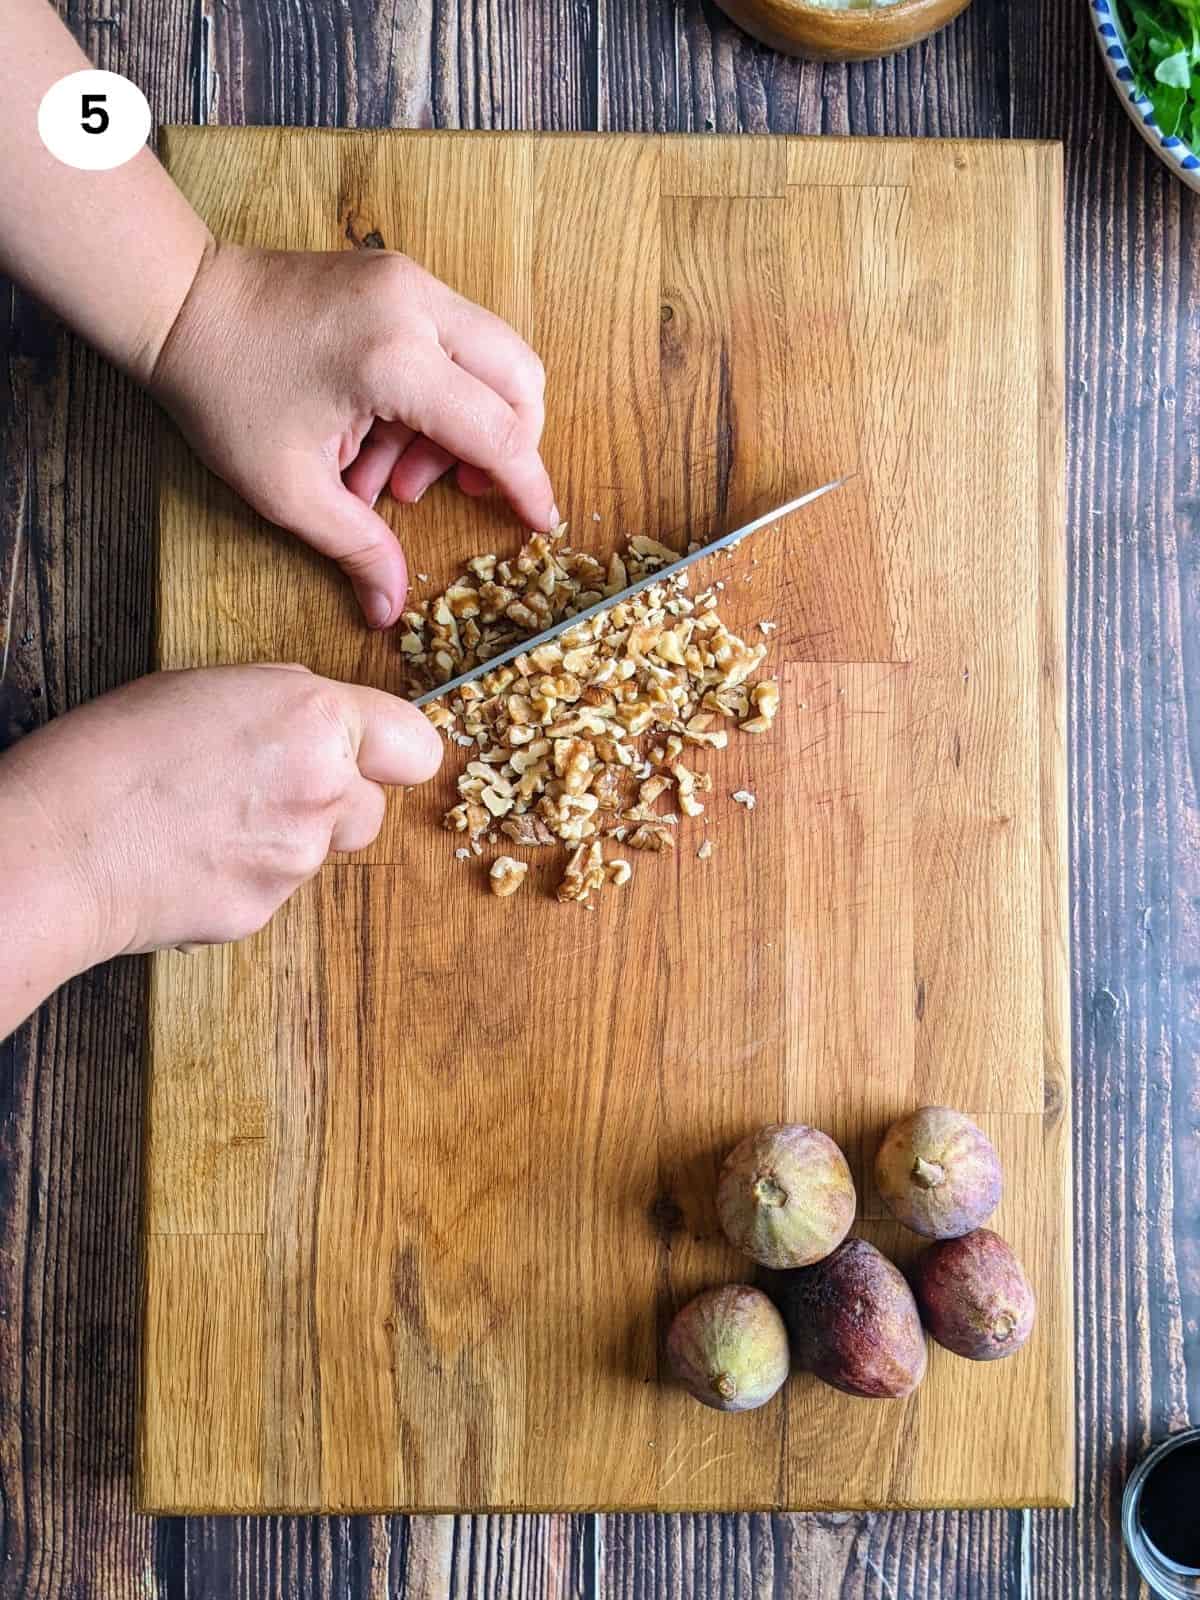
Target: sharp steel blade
663, 575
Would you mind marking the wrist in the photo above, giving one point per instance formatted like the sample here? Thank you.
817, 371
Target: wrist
193, 253
195, 345
55, 909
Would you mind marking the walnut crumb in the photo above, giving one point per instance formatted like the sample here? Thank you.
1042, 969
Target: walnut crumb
744, 797
705, 850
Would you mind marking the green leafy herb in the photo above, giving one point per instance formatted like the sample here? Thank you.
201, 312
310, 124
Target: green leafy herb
1162, 39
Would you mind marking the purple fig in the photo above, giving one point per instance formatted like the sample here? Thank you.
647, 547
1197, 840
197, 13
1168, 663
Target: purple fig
785, 1196
974, 1296
853, 1322
728, 1347
938, 1173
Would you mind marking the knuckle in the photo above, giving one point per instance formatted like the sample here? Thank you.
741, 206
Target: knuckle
532, 374
320, 738
309, 853
256, 915
401, 271
383, 363
361, 559
511, 442
245, 916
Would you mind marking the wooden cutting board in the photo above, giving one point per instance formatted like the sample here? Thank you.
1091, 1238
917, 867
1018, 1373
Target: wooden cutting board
428, 1172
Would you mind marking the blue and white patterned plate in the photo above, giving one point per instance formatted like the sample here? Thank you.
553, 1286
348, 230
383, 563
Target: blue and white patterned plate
1111, 38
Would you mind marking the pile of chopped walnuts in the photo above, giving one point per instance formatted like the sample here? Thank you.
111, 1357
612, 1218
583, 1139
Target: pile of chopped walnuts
577, 741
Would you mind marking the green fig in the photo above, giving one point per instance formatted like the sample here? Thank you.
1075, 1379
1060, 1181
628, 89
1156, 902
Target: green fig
974, 1296
938, 1173
786, 1197
728, 1347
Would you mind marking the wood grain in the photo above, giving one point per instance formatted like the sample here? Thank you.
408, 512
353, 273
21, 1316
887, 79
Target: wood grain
79, 479
516, 1129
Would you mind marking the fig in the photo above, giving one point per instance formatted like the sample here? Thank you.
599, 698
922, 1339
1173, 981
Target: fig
785, 1196
974, 1296
938, 1173
853, 1322
729, 1349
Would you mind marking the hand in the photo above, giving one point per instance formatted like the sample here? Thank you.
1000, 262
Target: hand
186, 807
311, 381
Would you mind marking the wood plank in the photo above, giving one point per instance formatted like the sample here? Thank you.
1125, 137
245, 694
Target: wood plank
210, 1112
203, 1347
721, 167
850, 163
604, 448
843, 601
977, 814
848, 931
726, 437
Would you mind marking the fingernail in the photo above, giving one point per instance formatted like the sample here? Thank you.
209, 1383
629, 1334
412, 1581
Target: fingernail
377, 608
555, 517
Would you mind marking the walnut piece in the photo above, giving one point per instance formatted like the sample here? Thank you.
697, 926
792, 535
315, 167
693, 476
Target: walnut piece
506, 875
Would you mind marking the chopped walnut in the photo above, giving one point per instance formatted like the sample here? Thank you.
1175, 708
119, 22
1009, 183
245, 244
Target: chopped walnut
558, 737
705, 850
745, 798
584, 872
652, 836
649, 791
527, 829
506, 875
765, 696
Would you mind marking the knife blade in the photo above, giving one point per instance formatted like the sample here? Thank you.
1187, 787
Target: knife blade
663, 575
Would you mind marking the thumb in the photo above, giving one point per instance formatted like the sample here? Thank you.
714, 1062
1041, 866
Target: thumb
338, 524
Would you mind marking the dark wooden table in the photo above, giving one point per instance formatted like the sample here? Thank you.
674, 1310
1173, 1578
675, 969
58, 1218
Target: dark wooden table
76, 536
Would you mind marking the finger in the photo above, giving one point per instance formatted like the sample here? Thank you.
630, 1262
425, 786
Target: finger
360, 818
421, 465
471, 481
372, 467
393, 741
472, 422
338, 524
484, 345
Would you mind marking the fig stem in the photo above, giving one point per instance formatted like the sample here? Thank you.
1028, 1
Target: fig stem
725, 1384
768, 1193
927, 1173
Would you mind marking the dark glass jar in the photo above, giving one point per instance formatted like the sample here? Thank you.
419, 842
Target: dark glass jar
1160, 1516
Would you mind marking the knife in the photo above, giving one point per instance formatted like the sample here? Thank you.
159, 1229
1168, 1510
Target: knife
663, 575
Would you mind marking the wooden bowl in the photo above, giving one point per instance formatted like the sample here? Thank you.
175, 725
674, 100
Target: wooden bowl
822, 34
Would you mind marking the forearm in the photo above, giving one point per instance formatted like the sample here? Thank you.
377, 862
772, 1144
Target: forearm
113, 253
48, 927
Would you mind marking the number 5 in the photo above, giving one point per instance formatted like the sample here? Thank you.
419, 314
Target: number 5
92, 106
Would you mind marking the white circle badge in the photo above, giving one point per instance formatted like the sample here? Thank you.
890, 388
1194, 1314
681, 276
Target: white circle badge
94, 120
